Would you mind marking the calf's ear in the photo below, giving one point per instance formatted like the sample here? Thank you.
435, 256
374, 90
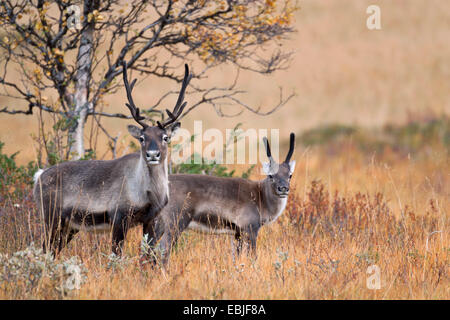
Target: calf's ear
291, 166
269, 168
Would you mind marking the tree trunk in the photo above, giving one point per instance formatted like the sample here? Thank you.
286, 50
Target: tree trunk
82, 80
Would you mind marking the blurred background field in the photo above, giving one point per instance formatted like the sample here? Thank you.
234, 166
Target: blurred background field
341, 72
371, 186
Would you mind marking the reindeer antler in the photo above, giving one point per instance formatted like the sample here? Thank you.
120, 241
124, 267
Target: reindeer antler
291, 148
269, 154
179, 106
135, 112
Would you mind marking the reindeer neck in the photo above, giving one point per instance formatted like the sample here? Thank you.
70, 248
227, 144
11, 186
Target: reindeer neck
153, 181
272, 205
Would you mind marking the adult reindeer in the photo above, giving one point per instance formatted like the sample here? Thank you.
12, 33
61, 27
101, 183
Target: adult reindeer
222, 205
111, 195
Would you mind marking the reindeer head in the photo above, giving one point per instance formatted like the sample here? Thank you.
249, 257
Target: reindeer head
279, 175
154, 140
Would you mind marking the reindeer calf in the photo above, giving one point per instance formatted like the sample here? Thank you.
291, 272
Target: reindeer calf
222, 205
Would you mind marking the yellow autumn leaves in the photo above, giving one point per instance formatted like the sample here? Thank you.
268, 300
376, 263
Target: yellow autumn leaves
241, 27
95, 16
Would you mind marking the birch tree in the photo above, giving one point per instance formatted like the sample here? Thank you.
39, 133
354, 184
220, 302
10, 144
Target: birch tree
73, 52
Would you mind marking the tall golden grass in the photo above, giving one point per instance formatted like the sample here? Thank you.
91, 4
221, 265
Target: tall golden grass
345, 213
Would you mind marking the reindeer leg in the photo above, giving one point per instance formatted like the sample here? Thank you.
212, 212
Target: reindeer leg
51, 216
148, 229
251, 235
165, 246
66, 238
53, 238
50, 241
153, 231
252, 245
64, 233
61, 235
170, 237
238, 238
119, 231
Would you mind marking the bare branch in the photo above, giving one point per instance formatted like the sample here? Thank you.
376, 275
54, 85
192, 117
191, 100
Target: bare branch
41, 53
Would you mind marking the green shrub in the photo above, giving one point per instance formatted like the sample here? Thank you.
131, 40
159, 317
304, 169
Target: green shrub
415, 136
412, 137
209, 168
14, 178
326, 134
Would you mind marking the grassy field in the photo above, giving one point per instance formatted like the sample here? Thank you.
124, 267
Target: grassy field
346, 212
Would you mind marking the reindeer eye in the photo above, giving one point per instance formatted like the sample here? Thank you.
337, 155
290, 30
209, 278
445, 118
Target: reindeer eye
271, 177
166, 138
141, 139
290, 176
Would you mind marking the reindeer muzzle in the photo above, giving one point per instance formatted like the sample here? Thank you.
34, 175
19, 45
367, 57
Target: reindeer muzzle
153, 156
282, 191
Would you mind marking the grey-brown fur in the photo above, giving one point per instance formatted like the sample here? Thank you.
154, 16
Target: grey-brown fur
111, 195
221, 205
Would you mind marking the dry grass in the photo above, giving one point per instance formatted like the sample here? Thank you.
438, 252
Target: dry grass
381, 212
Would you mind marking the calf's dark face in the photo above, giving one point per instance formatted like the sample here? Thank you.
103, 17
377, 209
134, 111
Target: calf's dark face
154, 142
